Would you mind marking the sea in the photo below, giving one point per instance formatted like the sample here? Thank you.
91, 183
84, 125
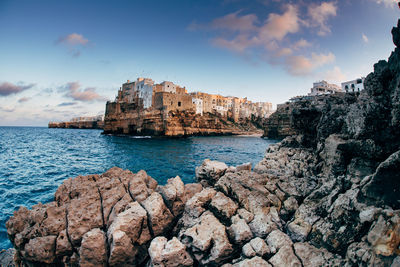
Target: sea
34, 161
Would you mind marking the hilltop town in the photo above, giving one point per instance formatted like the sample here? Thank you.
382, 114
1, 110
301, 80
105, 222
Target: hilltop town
143, 107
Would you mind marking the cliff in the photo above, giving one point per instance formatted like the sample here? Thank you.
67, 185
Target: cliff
77, 124
327, 196
127, 118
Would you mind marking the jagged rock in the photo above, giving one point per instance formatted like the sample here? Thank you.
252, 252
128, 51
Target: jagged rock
40, 249
259, 246
164, 253
7, 257
384, 235
239, 230
173, 194
277, 239
208, 240
243, 167
159, 215
93, 251
223, 206
246, 215
362, 254
298, 230
63, 246
191, 190
253, 262
248, 251
285, 257
291, 204
265, 221
314, 257
210, 171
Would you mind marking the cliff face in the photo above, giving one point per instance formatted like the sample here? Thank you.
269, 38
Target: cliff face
125, 118
327, 196
279, 124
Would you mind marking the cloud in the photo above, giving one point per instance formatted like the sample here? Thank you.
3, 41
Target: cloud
335, 75
7, 109
365, 38
24, 99
87, 94
387, 3
301, 65
319, 14
7, 88
72, 39
65, 104
275, 39
234, 22
302, 43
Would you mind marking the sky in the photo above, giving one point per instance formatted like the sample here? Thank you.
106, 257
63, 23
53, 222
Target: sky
63, 59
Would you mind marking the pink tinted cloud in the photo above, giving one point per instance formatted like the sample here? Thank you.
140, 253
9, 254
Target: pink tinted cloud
302, 65
319, 15
73, 39
88, 94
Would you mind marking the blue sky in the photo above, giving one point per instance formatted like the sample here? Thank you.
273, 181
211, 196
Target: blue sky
61, 59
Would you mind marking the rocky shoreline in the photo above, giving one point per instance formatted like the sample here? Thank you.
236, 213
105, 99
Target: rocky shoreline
327, 196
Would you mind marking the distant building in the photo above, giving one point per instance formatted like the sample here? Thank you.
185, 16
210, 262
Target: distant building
356, 85
167, 96
323, 88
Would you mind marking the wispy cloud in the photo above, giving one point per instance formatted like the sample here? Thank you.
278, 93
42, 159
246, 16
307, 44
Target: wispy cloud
301, 65
7, 109
387, 3
73, 42
74, 91
72, 39
65, 104
364, 38
24, 99
7, 88
276, 38
335, 75
319, 15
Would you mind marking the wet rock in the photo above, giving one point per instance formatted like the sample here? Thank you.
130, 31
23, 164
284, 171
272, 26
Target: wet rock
171, 253
7, 257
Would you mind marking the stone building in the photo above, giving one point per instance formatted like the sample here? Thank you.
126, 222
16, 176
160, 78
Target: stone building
323, 88
144, 94
356, 85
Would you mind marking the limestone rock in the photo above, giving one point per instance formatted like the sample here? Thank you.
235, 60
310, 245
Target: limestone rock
164, 253
285, 257
313, 257
239, 231
259, 246
93, 250
210, 171
223, 207
253, 262
208, 240
159, 215
277, 239
41, 249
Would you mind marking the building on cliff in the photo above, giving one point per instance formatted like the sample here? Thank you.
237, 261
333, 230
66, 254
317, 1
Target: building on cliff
356, 85
167, 96
323, 87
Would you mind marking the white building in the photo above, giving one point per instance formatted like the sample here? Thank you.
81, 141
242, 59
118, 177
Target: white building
323, 88
198, 104
144, 87
356, 85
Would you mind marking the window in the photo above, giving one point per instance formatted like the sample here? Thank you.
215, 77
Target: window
359, 81
179, 104
172, 103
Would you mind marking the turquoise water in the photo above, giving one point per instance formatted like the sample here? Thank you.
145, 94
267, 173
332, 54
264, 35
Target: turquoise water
34, 161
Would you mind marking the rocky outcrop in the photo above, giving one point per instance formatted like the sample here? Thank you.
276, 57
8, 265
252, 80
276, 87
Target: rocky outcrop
77, 124
327, 196
127, 118
279, 124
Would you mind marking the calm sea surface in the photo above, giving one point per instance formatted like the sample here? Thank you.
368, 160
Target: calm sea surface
34, 161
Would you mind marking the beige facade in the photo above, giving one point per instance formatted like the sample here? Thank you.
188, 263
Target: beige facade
168, 96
